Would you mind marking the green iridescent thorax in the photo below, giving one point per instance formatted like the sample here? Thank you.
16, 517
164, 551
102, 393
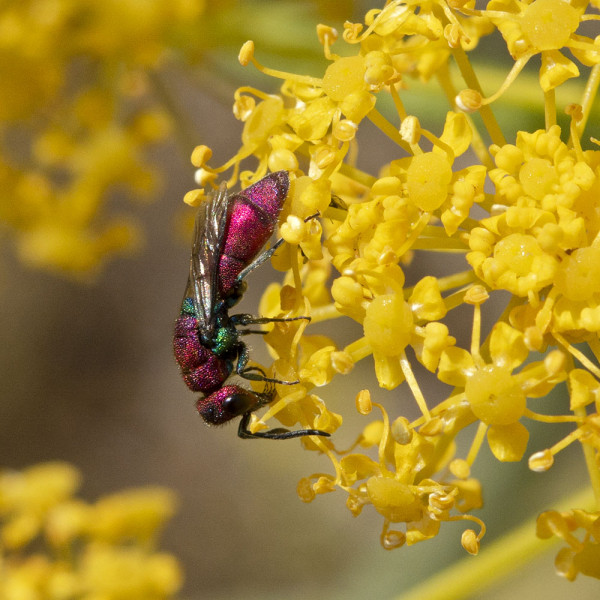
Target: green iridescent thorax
225, 339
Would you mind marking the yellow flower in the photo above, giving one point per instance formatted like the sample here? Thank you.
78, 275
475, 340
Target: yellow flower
524, 212
395, 485
543, 232
542, 27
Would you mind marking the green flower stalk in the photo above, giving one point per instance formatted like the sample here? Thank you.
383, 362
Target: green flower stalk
524, 212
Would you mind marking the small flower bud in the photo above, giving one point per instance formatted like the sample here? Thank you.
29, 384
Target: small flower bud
555, 363
476, 295
541, 461
305, 490
470, 542
401, 431
533, 338
246, 53
386, 186
201, 155
460, 468
410, 130
324, 156
326, 33
342, 362
469, 101
195, 197
282, 160
344, 130
363, 402
293, 231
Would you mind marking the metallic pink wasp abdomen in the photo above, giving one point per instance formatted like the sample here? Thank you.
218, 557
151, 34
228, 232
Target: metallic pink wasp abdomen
252, 221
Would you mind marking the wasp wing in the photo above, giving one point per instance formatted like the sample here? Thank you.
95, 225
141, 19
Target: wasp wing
207, 246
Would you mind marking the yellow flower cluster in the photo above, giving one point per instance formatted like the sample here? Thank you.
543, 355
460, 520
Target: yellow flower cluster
526, 215
76, 118
54, 545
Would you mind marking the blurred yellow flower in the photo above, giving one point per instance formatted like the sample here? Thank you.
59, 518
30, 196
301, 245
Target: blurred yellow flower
578, 556
71, 72
101, 550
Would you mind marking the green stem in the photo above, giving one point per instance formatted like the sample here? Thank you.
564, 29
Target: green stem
489, 120
550, 108
357, 175
388, 129
501, 558
477, 143
589, 95
589, 453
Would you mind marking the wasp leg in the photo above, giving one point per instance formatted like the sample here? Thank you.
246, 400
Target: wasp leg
246, 372
279, 433
249, 331
264, 256
244, 319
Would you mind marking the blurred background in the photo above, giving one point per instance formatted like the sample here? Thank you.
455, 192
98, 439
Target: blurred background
86, 366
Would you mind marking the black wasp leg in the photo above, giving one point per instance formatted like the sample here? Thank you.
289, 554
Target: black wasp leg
264, 256
246, 372
252, 331
279, 433
244, 319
